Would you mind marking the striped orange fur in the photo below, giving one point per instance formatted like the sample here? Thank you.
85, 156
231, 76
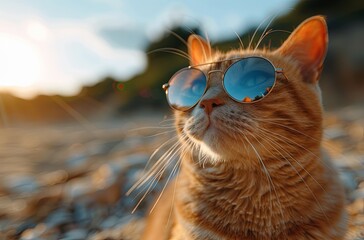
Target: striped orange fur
255, 170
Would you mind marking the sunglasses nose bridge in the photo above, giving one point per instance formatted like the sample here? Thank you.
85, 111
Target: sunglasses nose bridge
215, 71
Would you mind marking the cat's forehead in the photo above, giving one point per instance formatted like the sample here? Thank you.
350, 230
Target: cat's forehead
222, 61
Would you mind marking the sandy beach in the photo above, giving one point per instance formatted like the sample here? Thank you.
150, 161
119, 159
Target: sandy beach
70, 181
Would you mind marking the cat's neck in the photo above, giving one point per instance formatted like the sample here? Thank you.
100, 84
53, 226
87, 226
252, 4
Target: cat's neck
264, 169
256, 201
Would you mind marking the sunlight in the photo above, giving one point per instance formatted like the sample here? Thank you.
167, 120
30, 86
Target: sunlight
37, 31
20, 61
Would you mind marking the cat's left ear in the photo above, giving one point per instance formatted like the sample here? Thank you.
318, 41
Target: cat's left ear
308, 45
199, 50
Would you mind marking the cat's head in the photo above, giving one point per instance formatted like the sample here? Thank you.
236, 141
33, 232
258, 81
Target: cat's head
287, 120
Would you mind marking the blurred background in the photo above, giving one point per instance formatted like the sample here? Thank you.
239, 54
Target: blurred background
82, 109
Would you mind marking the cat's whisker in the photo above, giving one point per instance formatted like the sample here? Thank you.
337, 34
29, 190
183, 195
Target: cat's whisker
161, 133
295, 143
285, 126
283, 218
172, 50
169, 120
324, 141
153, 176
151, 128
307, 186
265, 170
271, 180
190, 30
206, 159
159, 148
157, 177
263, 33
162, 159
272, 145
206, 35
239, 137
268, 33
267, 134
201, 157
150, 186
161, 171
207, 39
255, 32
165, 185
285, 120
73, 113
161, 163
206, 55
262, 37
294, 130
178, 37
153, 170
240, 41
175, 186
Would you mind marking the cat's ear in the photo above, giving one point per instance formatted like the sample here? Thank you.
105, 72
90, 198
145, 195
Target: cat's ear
308, 45
199, 50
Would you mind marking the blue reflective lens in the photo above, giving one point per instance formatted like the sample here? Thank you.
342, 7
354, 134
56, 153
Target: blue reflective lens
249, 79
186, 88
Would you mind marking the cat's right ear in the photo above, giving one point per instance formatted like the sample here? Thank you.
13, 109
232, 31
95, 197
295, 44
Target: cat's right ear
199, 50
307, 45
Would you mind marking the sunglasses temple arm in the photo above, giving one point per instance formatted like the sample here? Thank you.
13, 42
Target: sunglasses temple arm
165, 87
280, 70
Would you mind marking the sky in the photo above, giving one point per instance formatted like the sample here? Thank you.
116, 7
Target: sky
56, 47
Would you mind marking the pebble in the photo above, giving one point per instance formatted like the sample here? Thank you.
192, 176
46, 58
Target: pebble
40, 232
75, 234
76, 160
26, 224
81, 213
349, 181
21, 184
358, 194
4, 223
59, 217
53, 178
77, 188
334, 133
110, 222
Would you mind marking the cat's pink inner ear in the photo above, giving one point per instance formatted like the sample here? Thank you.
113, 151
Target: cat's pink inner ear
308, 45
199, 50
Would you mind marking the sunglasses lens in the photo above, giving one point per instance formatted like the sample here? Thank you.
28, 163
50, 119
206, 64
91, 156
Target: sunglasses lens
249, 79
186, 88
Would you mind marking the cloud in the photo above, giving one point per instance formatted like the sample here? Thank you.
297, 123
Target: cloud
85, 56
73, 54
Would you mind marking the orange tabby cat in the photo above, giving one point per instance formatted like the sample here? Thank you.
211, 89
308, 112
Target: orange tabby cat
255, 170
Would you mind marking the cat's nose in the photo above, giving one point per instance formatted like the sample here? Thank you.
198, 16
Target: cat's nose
209, 104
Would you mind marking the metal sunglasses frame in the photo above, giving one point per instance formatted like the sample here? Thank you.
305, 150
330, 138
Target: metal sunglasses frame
166, 86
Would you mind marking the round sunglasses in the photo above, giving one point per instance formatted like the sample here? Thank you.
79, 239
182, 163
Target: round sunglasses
247, 80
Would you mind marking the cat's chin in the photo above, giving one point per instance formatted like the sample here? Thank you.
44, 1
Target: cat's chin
210, 153
211, 140
210, 145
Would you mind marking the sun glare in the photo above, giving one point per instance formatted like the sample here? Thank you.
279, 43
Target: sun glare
20, 63
37, 31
